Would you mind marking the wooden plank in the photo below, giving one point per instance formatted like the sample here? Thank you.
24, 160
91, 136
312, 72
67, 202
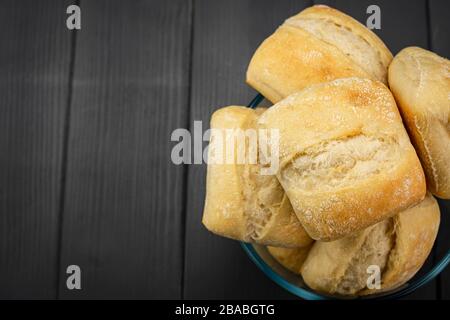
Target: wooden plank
439, 27
122, 219
226, 33
34, 82
439, 31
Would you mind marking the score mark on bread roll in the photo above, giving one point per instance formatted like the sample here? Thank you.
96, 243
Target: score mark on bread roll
346, 161
399, 246
319, 44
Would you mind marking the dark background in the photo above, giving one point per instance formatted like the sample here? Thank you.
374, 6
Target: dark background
85, 124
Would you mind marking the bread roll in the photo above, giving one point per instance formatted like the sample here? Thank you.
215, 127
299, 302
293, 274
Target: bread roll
346, 161
290, 258
319, 44
420, 81
398, 246
240, 203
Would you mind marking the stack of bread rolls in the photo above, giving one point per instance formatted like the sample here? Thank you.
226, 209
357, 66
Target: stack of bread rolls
361, 136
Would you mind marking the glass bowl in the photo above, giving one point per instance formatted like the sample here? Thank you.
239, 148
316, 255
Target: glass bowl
295, 285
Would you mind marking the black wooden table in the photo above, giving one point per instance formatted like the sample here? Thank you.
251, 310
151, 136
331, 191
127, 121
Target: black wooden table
86, 117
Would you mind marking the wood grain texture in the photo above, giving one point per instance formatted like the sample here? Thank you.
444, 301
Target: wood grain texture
226, 33
122, 220
34, 75
439, 34
440, 27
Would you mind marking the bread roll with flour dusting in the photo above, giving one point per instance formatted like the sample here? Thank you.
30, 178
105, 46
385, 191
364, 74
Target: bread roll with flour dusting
420, 82
319, 44
397, 246
346, 161
241, 203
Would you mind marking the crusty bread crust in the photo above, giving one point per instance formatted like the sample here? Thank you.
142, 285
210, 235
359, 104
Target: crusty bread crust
420, 82
346, 161
242, 206
340, 267
399, 250
377, 67
292, 59
415, 230
317, 45
223, 213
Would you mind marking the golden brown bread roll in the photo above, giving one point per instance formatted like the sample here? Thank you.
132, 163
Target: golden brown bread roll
319, 44
290, 258
398, 246
420, 82
242, 204
346, 161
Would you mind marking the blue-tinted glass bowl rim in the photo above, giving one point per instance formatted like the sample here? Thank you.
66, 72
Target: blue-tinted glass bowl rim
311, 295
